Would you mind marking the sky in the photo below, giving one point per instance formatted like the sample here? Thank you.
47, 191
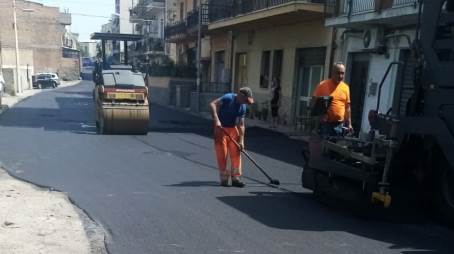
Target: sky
85, 24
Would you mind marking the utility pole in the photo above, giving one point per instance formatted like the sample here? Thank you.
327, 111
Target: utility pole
18, 87
199, 56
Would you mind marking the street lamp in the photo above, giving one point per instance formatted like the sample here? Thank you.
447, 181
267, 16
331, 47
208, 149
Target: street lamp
18, 85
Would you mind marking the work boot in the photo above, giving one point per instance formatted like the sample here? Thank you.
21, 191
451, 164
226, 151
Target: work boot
225, 183
238, 183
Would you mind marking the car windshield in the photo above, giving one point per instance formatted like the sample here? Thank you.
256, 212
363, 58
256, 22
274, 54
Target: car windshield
123, 79
44, 76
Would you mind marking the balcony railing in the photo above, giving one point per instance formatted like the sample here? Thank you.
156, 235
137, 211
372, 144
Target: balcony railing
190, 23
214, 87
354, 7
175, 28
222, 9
192, 19
143, 8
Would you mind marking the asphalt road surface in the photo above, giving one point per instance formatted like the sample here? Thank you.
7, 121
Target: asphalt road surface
159, 193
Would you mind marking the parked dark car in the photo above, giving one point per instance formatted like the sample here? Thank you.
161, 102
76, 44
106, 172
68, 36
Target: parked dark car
45, 80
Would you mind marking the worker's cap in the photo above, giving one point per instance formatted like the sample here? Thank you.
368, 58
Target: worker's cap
246, 91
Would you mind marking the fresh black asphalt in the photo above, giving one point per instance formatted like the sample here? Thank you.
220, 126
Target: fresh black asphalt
159, 193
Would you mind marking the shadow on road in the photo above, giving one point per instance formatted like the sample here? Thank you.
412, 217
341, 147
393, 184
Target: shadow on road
291, 211
265, 142
71, 109
73, 114
195, 184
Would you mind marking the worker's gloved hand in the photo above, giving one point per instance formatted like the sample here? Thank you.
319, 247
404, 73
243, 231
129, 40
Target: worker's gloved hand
241, 146
350, 130
218, 129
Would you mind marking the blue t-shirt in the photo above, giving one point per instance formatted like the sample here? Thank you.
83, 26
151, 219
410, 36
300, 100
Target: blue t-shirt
230, 110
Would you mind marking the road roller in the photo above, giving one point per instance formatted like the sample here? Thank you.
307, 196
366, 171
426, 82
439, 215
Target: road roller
120, 94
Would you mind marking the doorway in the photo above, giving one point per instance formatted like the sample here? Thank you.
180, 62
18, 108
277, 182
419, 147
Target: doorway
310, 68
358, 77
219, 66
240, 71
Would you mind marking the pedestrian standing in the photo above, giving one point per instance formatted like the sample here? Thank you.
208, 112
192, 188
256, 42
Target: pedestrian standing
275, 101
228, 114
338, 114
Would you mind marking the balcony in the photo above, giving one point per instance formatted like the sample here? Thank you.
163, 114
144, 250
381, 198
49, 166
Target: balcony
148, 46
147, 9
360, 13
214, 87
187, 29
228, 13
64, 18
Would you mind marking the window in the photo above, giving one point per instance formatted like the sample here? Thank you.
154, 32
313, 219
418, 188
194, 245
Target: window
241, 70
181, 11
277, 64
130, 79
109, 79
123, 78
265, 69
310, 78
219, 66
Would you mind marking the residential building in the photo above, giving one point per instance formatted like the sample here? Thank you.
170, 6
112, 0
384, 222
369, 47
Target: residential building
183, 33
88, 55
40, 32
113, 26
70, 63
170, 18
88, 49
148, 16
122, 10
260, 43
370, 35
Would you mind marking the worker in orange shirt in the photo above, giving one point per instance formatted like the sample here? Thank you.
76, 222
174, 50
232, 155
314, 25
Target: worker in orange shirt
338, 115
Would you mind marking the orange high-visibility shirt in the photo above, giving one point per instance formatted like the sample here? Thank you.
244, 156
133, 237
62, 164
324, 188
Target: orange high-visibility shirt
341, 98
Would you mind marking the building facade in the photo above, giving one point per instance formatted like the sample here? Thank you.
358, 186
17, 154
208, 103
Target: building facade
40, 32
71, 59
262, 43
88, 49
148, 17
371, 34
123, 11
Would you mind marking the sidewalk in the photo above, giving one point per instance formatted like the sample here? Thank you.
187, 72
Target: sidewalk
8, 101
39, 220
287, 130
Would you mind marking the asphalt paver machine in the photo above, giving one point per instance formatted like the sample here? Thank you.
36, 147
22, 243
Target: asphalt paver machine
120, 93
409, 152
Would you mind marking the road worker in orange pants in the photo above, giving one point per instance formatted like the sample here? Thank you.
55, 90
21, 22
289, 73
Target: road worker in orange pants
228, 114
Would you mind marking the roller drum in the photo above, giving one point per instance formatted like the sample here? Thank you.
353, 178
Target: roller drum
125, 120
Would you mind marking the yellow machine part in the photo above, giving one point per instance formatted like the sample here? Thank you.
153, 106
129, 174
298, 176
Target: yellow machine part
381, 198
125, 119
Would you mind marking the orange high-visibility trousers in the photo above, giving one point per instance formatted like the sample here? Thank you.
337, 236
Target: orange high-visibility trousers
224, 147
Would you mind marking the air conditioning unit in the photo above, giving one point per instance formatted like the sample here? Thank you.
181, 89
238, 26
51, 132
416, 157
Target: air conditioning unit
373, 38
